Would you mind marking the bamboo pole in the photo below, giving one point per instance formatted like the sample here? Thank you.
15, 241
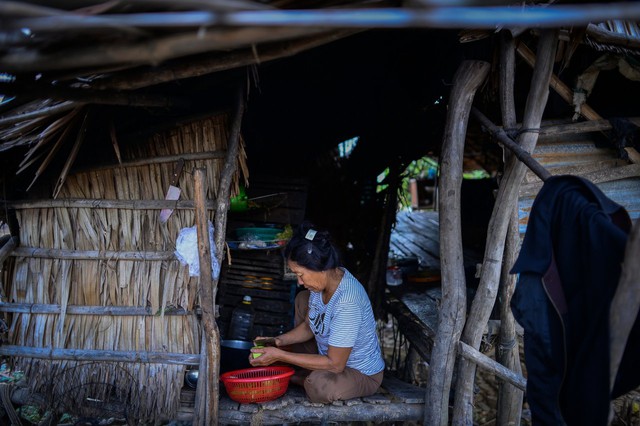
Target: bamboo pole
47, 253
507, 196
146, 357
105, 204
187, 156
515, 149
44, 308
467, 79
491, 17
206, 411
509, 396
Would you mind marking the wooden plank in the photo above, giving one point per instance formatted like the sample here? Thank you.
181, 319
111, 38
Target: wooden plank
419, 334
322, 413
403, 391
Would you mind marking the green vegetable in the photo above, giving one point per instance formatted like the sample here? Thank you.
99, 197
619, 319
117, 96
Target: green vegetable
256, 355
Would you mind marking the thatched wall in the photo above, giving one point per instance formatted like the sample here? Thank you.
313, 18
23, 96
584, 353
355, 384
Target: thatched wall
161, 285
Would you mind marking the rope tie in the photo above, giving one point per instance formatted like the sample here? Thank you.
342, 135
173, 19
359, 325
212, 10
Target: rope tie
504, 347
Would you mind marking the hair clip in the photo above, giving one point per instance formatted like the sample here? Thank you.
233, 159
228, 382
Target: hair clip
311, 233
309, 250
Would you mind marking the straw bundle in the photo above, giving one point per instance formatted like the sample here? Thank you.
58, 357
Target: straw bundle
158, 284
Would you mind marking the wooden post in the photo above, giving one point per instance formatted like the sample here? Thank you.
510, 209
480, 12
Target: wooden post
206, 405
507, 195
377, 275
212, 346
451, 315
509, 397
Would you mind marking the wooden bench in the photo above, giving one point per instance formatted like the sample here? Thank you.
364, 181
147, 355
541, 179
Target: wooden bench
395, 401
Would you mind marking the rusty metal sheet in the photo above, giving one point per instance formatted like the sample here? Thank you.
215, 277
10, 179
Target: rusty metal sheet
577, 156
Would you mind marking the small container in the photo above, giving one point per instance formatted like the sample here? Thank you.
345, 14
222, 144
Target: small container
241, 325
259, 384
394, 275
191, 378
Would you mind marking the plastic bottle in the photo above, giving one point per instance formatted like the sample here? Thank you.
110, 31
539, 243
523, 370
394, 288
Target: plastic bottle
394, 273
241, 326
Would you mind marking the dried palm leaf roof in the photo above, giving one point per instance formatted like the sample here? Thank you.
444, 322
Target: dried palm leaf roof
63, 57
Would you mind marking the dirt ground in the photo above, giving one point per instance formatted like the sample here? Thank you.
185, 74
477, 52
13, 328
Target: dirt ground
408, 365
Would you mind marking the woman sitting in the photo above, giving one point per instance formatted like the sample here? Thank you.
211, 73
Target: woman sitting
334, 314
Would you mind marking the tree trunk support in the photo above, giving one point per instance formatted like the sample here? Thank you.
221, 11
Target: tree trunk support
509, 397
468, 78
207, 401
507, 196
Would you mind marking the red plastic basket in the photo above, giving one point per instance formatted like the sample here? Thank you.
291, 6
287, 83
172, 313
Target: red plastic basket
259, 384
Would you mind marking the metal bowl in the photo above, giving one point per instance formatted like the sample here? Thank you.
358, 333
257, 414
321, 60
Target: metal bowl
191, 378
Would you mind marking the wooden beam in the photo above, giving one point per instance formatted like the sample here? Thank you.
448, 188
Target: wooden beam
145, 357
41, 308
601, 35
39, 113
506, 141
149, 51
492, 366
90, 96
104, 204
211, 63
555, 83
187, 156
49, 253
581, 127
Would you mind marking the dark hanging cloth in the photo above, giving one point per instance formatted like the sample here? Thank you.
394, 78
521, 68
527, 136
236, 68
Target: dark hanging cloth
623, 134
569, 266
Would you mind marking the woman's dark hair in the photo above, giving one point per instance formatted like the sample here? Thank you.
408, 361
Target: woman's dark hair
312, 248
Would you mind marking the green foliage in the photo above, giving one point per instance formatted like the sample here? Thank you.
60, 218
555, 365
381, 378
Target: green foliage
417, 169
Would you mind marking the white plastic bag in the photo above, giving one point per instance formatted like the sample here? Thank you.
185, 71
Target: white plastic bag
187, 251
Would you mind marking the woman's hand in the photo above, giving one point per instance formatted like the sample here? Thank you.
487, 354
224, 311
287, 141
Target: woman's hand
260, 357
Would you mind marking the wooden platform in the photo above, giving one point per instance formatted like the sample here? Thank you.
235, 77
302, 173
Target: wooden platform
417, 233
395, 401
415, 304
